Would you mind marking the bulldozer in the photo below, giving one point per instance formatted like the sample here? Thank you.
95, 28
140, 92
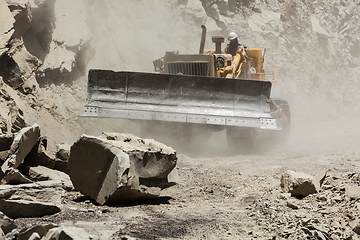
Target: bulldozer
193, 95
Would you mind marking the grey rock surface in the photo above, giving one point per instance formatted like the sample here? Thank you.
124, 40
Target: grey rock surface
24, 208
120, 167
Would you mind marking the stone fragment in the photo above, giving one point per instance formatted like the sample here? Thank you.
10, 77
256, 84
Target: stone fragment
62, 158
67, 233
285, 196
24, 208
41, 173
292, 205
14, 176
6, 224
40, 230
22, 14
12, 235
352, 192
116, 168
299, 184
2, 235
39, 155
6, 141
46, 191
337, 198
23, 142
6, 26
320, 176
319, 235
34, 236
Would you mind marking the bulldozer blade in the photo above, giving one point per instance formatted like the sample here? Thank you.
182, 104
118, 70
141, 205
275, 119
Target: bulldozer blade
179, 98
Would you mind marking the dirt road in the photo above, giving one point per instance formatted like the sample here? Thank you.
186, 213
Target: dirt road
225, 196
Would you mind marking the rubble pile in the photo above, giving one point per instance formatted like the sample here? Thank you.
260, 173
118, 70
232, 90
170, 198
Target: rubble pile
112, 168
330, 213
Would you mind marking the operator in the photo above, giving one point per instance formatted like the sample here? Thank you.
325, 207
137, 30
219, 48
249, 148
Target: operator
233, 44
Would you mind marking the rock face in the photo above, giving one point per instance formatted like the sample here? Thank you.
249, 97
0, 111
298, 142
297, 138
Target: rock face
116, 168
299, 184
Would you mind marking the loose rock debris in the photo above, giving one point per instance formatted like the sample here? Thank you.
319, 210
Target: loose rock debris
117, 167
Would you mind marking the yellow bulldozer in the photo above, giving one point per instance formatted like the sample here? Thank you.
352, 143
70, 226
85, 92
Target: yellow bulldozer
194, 95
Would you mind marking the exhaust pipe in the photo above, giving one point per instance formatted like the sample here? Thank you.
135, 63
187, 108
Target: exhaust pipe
203, 36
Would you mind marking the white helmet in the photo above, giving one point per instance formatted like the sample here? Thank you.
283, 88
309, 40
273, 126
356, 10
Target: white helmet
232, 36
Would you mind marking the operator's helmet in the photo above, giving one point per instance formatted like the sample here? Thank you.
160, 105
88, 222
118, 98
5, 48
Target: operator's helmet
232, 36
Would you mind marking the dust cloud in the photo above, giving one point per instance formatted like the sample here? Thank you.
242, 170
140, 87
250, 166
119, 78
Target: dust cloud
322, 97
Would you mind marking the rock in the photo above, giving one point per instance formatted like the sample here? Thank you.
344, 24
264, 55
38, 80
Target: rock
63, 152
23, 142
116, 168
46, 191
62, 158
17, 120
337, 198
285, 196
195, 11
24, 208
320, 176
12, 235
27, 65
40, 230
6, 141
67, 233
39, 155
352, 192
2, 235
6, 26
14, 176
6, 224
355, 226
66, 42
31, 200
315, 24
21, 12
41, 173
299, 184
319, 235
34, 236
292, 205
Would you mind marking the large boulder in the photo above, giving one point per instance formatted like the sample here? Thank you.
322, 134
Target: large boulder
117, 167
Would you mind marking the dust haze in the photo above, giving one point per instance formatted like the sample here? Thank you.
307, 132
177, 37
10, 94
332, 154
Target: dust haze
315, 56
130, 35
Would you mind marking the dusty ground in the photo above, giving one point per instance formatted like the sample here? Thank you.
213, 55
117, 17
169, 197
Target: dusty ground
227, 196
